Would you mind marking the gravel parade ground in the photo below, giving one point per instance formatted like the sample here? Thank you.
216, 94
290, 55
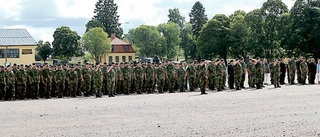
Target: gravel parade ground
287, 111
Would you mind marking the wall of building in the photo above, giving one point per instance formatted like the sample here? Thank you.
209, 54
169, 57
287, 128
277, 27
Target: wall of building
24, 58
111, 57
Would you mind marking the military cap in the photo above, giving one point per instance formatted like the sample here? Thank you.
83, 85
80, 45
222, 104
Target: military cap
97, 63
59, 64
231, 60
14, 64
79, 62
8, 65
33, 63
87, 63
105, 63
170, 60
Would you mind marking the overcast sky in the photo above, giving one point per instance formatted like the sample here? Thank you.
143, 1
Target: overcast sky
42, 17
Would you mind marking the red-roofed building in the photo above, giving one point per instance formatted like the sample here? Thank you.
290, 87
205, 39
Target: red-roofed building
121, 51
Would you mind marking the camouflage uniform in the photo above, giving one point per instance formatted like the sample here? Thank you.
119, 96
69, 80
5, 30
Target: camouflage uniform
97, 82
79, 83
139, 73
276, 74
2, 83
66, 91
203, 78
73, 83
219, 77
34, 81
180, 78
191, 71
46, 79
111, 81
211, 74
86, 75
243, 77
170, 76
160, 78
251, 74
292, 71
21, 79
104, 81
60, 79
238, 75
10, 85
149, 78
126, 72
304, 71
259, 73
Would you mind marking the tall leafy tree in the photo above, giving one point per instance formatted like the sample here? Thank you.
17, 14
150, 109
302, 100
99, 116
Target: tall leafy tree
187, 41
215, 38
44, 50
149, 41
106, 12
176, 17
93, 24
96, 42
197, 19
171, 33
66, 43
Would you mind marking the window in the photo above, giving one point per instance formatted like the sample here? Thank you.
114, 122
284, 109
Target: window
112, 49
126, 48
110, 59
130, 58
26, 51
124, 59
11, 53
117, 58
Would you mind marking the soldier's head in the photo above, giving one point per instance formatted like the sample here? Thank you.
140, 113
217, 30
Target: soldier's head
170, 61
292, 57
97, 65
241, 59
59, 66
87, 65
21, 67
72, 68
105, 64
9, 67
1, 68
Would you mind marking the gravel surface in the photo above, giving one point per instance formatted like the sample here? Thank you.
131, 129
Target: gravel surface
289, 111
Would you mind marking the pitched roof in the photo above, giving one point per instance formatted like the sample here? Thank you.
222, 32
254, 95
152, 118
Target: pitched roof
16, 37
117, 41
122, 49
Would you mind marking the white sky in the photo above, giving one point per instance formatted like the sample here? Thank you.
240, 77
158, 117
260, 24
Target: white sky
42, 17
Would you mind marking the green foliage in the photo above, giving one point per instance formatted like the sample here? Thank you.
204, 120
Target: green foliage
96, 42
187, 41
149, 41
66, 43
106, 12
93, 24
175, 17
197, 18
214, 38
44, 50
171, 33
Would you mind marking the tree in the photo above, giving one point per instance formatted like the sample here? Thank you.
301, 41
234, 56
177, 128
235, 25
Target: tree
214, 39
106, 12
148, 39
93, 24
175, 17
197, 19
171, 33
187, 41
96, 42
239, 32
66, 43
44, 50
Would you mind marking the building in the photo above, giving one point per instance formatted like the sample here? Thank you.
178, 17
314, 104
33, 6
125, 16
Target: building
16, 46
121, 51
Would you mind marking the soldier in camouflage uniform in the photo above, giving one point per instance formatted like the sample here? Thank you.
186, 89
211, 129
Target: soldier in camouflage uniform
149, 76
138, 77
60, 79
104, 81
10, 84
244, 70
72, 81
2, 82
46, 78
21, 80
79, 83
97, 81
86, 80
251, 73
237, 74
170, 76
53, 82
219, 75
34, 78
111, 79
160, 77
191, 74
41, 84
176, 85
66, 91
303, 70
211, 74
259, 73
202, 71
126, 74
292, 70
180, 76
276, 73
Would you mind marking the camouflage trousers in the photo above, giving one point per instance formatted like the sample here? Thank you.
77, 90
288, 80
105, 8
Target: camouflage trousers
87, 87
149, 85
237, 81
202, 84
160, 83
9, 95
181, 84
251, 80
291, 77
20, 91
171, 82
2, 90
111, 87
79, 88
126, 85
303, 77
276, 79
73, 89
211, 82
219, 82
97, 86
259, 80
47, 89
192, 83
105, 87
59, 88
34, 88
138, 85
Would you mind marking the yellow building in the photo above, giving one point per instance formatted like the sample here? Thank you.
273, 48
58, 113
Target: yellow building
121, 51
16, 46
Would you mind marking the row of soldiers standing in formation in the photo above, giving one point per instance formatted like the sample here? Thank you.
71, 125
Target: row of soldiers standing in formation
32, 82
